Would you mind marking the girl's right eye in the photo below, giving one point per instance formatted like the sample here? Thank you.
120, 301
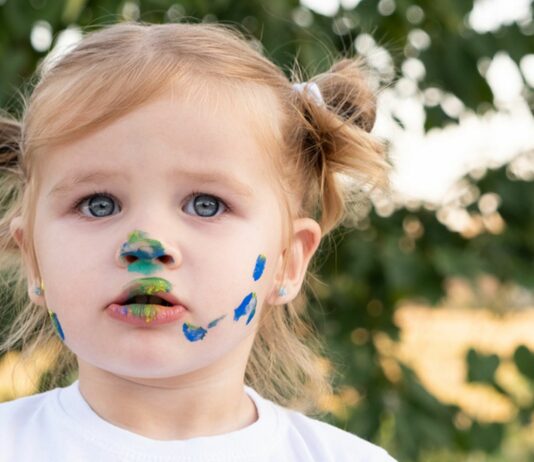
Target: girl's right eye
98, 204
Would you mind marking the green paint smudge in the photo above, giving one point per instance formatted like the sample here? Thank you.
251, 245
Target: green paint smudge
150, 286
145, 250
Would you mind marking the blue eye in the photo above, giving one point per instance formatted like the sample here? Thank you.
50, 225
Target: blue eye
99, 205
205, 205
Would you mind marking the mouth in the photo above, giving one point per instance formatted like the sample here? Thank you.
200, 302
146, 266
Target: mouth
145, 315
148, 291
147, 300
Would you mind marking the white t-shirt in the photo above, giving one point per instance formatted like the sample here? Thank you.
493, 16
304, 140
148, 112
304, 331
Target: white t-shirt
60, 426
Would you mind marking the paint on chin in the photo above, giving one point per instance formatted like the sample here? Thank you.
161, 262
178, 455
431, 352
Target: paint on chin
193, 333
247, 307
260, 266
57, 325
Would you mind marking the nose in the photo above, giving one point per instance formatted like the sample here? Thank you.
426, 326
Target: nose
145, 255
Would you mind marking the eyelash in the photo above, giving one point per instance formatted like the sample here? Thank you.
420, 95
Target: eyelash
75, 207
227, 208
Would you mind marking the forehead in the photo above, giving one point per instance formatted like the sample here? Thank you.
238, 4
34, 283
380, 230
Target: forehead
225, 134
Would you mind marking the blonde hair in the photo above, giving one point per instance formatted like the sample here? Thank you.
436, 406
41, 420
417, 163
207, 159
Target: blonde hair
116, 69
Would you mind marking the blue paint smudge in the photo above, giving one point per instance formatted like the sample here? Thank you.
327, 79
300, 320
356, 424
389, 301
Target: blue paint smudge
260, 266
57, 325
215, 321
253, 312
144, 250
193, 333
140, 253
247, 306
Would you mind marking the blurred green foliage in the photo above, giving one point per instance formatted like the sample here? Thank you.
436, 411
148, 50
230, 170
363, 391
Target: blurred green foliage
382, 262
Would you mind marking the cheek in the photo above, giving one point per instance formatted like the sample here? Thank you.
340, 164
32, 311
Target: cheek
231, 258
236, 291
72, 269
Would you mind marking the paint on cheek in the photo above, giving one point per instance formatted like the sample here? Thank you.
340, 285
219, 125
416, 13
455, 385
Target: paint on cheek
260, 266
193, 333
57, 325
144, 250
215, 321
247, 307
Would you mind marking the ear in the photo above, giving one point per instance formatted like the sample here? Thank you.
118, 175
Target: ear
17, 232
306, 238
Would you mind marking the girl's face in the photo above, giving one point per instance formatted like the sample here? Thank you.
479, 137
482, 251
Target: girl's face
172, 198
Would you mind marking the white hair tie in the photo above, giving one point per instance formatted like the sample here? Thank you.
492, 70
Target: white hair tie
312, 89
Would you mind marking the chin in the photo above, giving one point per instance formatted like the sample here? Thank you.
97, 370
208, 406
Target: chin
153, 368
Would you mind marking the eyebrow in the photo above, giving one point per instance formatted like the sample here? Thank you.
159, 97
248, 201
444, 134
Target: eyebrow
74, 180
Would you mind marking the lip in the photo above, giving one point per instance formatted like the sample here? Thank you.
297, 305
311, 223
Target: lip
148, 286
157, 314
147, 315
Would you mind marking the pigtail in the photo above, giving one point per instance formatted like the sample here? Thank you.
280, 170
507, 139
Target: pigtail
11, 183
10, 132
335, 145
24, 326
11, 187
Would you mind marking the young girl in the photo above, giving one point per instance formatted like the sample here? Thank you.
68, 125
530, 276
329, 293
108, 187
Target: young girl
167, 187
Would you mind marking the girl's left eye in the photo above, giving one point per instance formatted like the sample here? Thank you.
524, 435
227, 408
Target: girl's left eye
99, 205
205, 205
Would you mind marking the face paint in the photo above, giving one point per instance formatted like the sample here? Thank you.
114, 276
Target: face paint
247, 306
149, 286
260, 266
145, 250
149, 312
146, 286
193, 333
215, 321
57, 325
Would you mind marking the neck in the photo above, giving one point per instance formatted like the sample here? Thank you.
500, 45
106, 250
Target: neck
173, 408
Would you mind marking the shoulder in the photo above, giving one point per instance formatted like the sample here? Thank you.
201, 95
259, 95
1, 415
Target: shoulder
304, 438
21, 407
338, 444
23, 410
40, 419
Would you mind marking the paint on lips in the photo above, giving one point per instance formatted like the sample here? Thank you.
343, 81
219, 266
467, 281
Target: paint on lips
146, 286
149, 286
148, 312
145, 314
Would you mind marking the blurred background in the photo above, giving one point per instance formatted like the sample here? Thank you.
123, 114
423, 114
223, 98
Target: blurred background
427, 298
